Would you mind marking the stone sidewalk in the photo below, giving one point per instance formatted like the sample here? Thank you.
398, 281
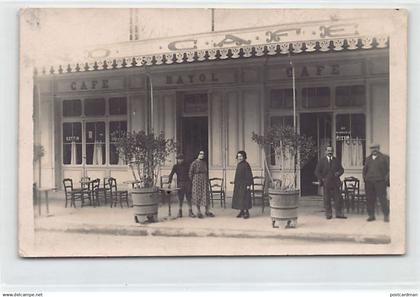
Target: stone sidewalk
311, 224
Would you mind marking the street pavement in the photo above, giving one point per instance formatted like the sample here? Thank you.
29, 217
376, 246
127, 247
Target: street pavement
311, 226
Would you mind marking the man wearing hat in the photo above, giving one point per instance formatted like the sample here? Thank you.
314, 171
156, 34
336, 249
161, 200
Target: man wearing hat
181, 170
376, 177
328, 171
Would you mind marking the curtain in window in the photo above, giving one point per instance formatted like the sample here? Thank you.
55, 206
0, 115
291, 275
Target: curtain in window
73, 153
352, 153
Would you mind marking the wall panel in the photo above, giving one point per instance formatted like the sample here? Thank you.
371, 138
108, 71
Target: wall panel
251, 122
216, 128
380, 115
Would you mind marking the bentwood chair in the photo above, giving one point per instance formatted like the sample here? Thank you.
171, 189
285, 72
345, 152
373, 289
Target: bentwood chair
104, 192
116, 195
86, 186
351, 192
258, 190
217, 191
71, 193
95, 191
164, 181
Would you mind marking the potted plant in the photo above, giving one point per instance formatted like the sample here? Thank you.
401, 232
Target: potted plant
144, 153
284, 193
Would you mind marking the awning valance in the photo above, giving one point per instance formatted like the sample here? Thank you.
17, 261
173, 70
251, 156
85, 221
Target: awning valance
256, 42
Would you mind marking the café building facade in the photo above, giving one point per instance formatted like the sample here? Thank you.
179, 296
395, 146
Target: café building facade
211, 91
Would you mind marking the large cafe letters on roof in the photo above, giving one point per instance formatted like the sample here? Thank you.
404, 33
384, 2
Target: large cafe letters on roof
273, 40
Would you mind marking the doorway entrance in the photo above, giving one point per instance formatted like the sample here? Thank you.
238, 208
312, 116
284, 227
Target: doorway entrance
194, 137
319, 127
193, 125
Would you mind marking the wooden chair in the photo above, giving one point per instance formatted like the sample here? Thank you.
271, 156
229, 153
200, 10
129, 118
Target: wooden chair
86, 186
71, 193
164, 181
258, 190
165, 196
117, 196
351, 192
95, 191
217, 191
105, 191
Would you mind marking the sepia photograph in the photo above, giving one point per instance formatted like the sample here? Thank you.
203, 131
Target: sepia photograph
212, 132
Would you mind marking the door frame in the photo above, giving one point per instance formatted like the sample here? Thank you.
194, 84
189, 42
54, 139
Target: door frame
320, 154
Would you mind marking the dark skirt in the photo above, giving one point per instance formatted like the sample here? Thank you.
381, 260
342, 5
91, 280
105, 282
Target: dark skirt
241, 197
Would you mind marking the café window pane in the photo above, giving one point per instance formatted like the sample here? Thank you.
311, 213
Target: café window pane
281, 99
95, 143
351, 139
94, 107
116, 129
118, 106
195, 103
347, 96
72, 108
72, 143
316, 97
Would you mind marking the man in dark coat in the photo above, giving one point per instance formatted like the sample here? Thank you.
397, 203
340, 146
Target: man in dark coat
241, 192
181, 169
376, 177
328, 171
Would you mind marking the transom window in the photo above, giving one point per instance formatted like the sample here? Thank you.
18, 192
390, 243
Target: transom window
281, 99
117, 106
316, 97
94, 107
347, 96
72, 108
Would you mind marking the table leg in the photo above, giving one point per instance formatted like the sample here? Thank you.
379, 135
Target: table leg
46, 202
38, 198
169, 204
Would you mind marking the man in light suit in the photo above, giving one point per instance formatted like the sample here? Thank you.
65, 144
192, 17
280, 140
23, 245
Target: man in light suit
328, 171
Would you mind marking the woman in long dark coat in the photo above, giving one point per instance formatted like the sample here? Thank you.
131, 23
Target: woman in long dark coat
242, 190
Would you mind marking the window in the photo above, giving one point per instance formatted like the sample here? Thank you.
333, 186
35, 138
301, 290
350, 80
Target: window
195, 103
72, 108
281, 99
88, 140
95, 143
347, 96
351, 139
118, 106
316, 97
116, 129
72, 143
94, 107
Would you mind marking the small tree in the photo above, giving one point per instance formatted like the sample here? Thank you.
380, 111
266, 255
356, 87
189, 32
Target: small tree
144, 154
39, 152
288, 144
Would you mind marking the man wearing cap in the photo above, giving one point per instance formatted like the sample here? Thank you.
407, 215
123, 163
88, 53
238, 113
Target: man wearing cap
328, 171
181, 170
376, 177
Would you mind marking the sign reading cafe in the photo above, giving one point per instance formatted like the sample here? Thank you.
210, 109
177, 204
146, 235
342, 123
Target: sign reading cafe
269, 36
238, 38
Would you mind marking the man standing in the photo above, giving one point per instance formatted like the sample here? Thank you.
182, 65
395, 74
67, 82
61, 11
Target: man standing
376, 177
328, 171
181, 170
200, 185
